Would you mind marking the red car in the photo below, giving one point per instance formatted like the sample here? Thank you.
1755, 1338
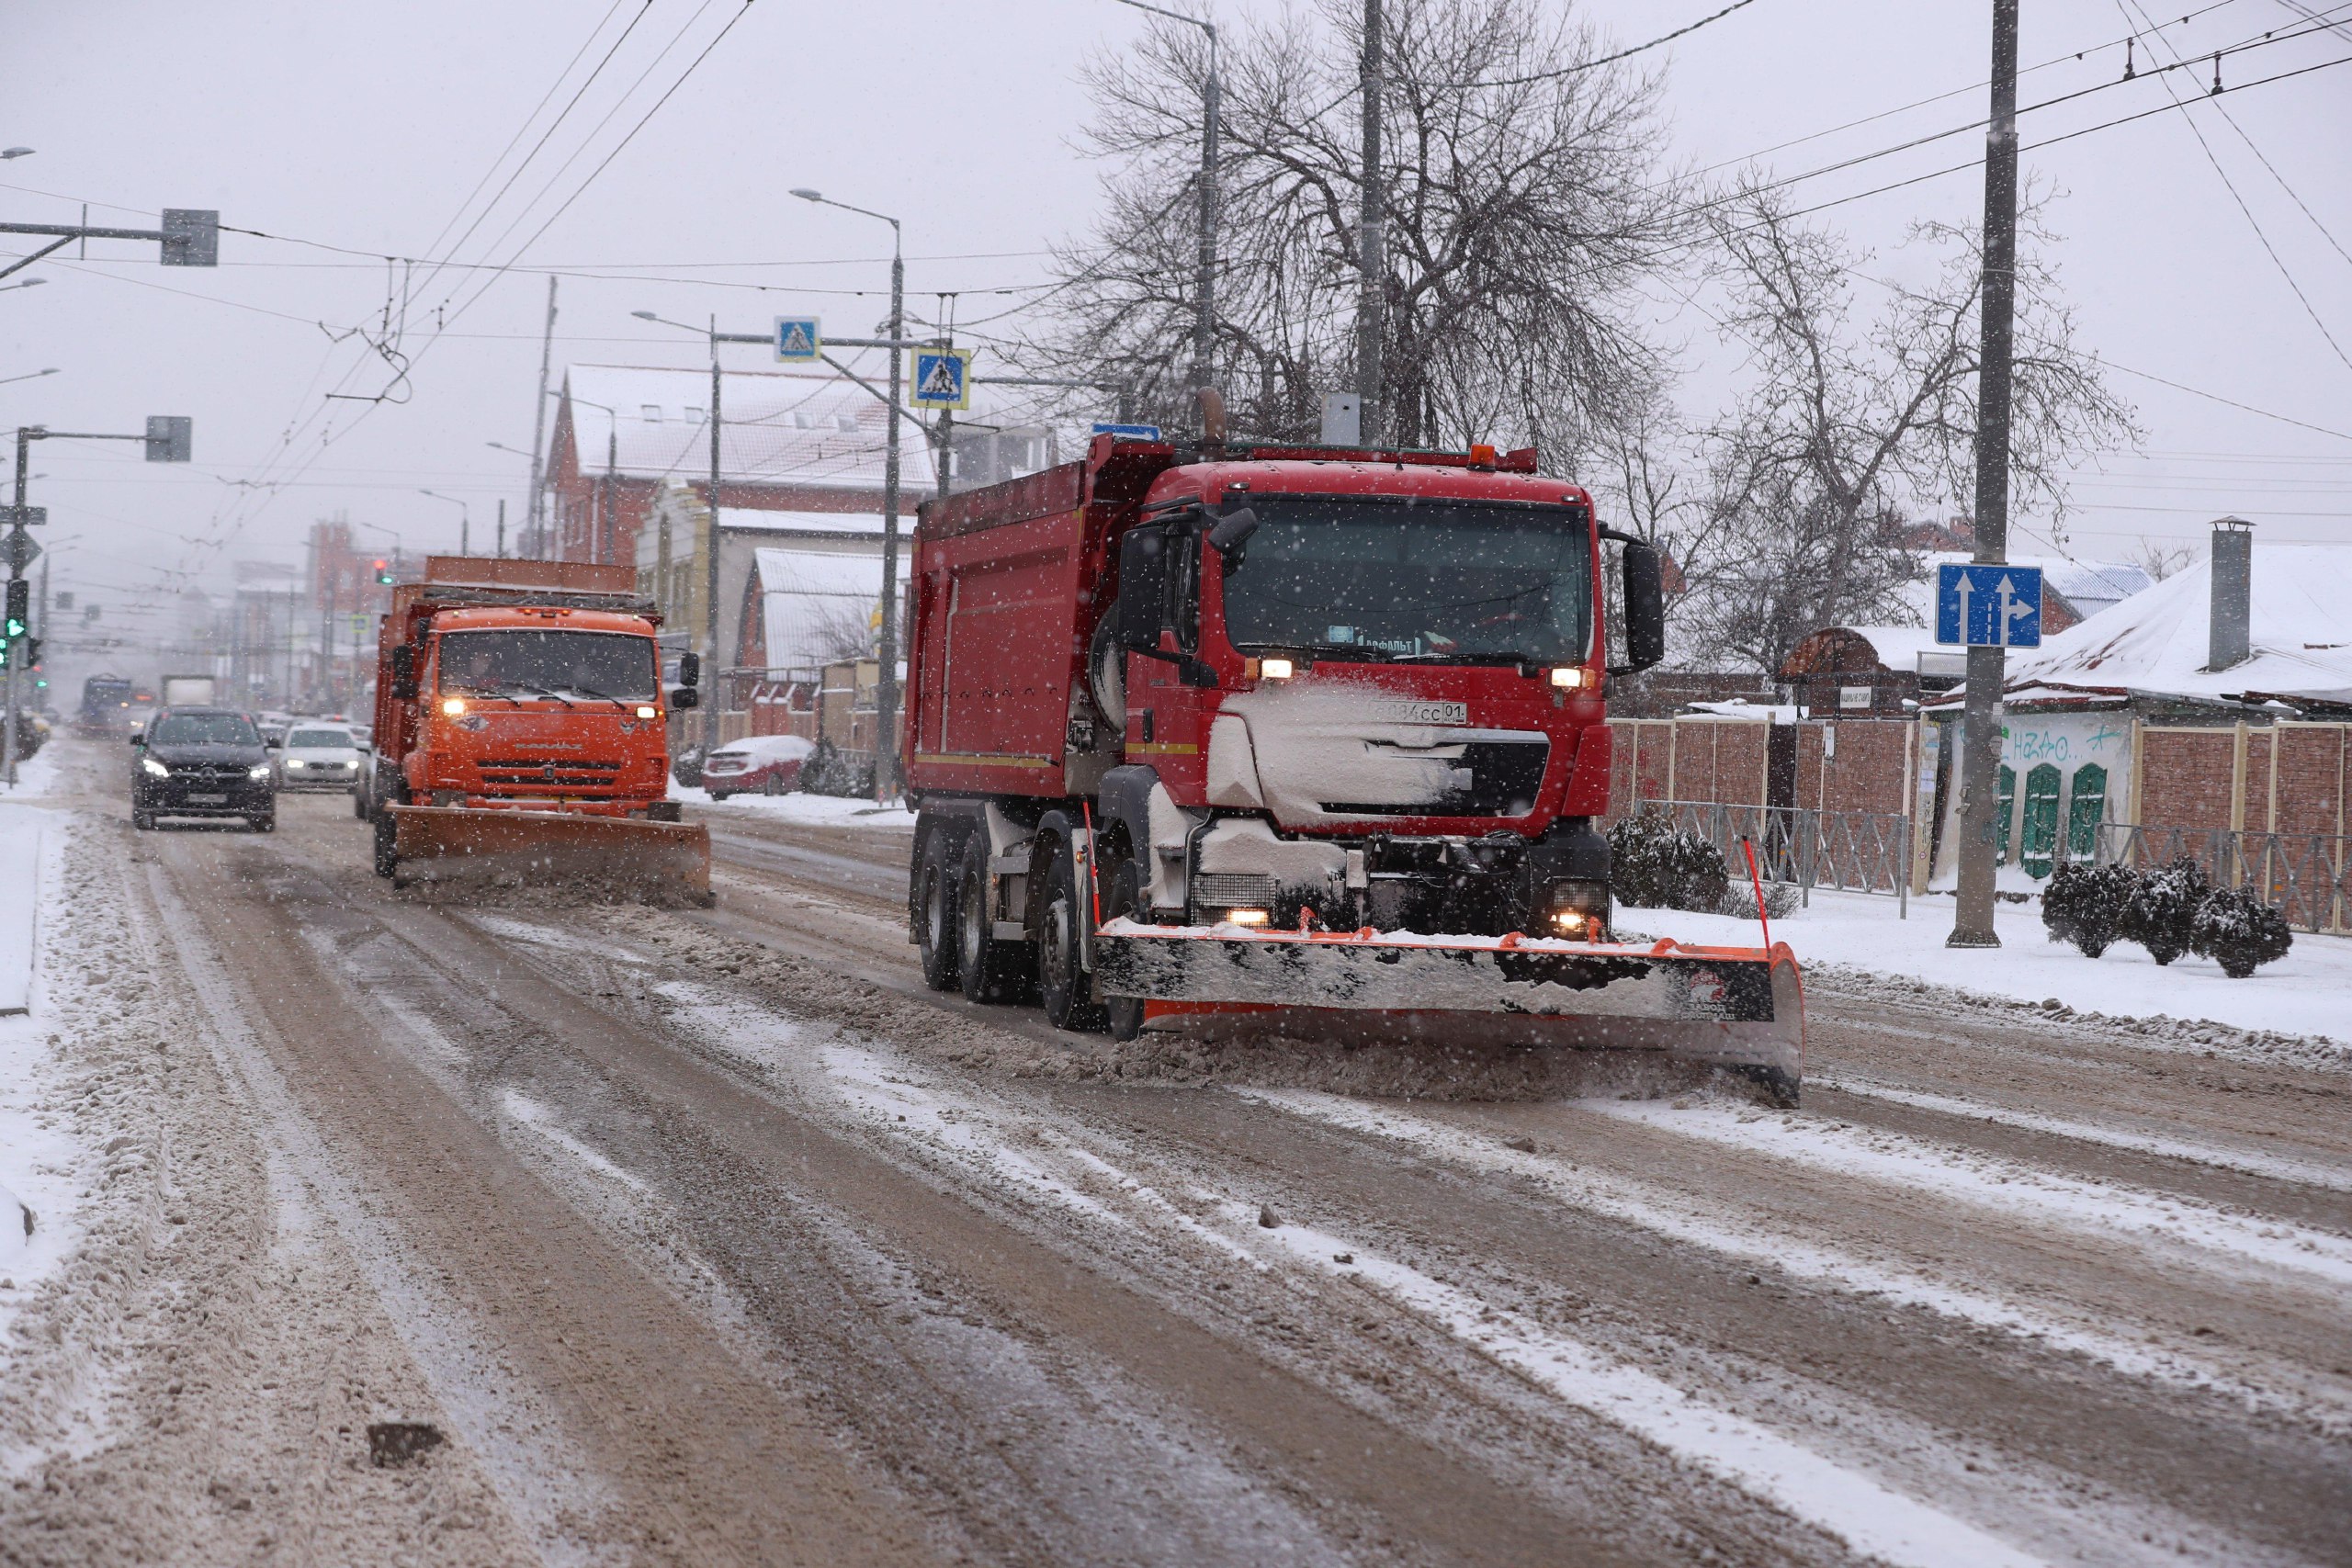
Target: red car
757, 764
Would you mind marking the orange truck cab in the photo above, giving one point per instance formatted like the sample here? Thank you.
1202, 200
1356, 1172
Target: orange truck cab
522, 686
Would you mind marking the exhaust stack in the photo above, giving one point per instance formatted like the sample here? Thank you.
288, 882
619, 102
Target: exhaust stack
2231, 590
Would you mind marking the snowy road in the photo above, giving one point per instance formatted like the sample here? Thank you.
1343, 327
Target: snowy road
713, 1237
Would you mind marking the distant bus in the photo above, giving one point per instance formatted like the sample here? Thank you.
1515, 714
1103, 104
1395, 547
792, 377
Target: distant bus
106, 705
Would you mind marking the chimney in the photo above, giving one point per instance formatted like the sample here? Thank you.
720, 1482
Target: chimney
2232, 588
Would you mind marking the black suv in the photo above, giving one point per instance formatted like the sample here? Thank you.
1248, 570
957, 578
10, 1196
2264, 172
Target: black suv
202, 763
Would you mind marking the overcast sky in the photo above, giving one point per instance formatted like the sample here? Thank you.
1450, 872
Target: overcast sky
366, 127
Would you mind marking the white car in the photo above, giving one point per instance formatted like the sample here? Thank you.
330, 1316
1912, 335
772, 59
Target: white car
757, 764
320, 756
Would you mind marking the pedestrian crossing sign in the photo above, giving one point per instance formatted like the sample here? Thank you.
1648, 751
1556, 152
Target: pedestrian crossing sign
797, 340
943, 378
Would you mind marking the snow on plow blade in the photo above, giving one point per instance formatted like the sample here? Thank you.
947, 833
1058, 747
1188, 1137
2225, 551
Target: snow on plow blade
1737, 1008
600, 857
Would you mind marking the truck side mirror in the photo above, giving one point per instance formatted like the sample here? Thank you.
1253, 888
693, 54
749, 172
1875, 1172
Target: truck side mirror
1645, 610
138, 738
690, 671
685, 698
405, 672
1234, 529
1143, 590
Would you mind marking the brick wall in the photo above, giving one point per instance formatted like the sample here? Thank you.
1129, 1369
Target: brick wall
2307, 795
2190, 778
2185, 777
1866, 774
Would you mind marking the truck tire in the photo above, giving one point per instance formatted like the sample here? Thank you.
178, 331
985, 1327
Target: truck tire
359, 801
144, 821
387, 860
1123, 1016
936, 881
1066, 990
989, 970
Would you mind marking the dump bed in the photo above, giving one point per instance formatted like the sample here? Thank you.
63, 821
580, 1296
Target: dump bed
1007, 585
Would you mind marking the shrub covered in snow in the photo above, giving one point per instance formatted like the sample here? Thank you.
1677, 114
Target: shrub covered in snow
831, 770
1656, 865
2161, 914
2239, 931
2084, 904
1739, 900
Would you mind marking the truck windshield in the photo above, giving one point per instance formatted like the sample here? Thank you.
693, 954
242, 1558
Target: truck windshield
1435, 579
612, 666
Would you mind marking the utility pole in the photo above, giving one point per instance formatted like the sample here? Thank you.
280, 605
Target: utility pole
710, 569
1980, 745
535, 528
1372, 255
612, 465
501, 527
886, 685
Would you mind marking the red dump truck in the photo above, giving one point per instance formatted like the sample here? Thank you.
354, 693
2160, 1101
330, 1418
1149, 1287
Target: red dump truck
520, 733
1295, 738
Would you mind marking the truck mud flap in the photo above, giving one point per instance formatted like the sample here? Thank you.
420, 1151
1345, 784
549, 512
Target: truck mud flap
1741, 1010
622, 858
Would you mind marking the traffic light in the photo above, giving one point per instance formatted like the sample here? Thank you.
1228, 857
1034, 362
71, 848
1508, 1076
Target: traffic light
32, 657
20, 607
384, 573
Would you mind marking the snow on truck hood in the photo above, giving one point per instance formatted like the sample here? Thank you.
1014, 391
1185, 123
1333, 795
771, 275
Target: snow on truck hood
1306, 750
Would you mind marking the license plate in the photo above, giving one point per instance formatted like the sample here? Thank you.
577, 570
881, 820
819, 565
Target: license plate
207, 800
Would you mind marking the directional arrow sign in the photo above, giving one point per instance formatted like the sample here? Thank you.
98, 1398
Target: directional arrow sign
1989, 606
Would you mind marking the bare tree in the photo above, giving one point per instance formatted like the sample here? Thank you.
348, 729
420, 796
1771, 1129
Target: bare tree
1848, 430
2160, 561
1524, 198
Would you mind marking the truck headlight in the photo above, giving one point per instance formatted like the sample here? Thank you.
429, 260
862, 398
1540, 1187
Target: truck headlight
1570, 677
1577, 909
154, 767
453, 707
295, 762
647, 711
1275, 668
1246, 917
259, 772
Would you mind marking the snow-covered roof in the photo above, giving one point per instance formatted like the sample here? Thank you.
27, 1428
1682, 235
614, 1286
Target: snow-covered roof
856, 525
2299, 632
808, 598
777, 427
1899, 647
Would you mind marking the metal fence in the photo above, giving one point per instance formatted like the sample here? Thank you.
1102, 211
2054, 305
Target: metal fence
1856, 852
2302, 876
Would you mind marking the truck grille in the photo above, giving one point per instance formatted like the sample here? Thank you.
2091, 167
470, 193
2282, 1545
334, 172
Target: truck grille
1505, 777
558, 775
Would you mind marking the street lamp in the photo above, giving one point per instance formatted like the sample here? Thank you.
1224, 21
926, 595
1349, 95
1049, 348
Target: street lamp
30, 375
465, 520
27, 283
7, 153
1204, 284
886, 692
710, 563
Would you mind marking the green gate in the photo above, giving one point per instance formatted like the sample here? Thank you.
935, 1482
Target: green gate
2086, 809
2008, 809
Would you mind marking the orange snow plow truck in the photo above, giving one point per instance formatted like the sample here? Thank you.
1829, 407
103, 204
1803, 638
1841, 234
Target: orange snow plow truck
521, 735
1297, 739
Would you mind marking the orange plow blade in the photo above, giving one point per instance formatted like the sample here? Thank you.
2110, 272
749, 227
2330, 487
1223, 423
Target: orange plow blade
1737, 1010
617, 859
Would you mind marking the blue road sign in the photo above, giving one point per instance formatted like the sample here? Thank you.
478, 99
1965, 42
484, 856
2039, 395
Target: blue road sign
1127, 432
943, 378
798, 340
1989, 606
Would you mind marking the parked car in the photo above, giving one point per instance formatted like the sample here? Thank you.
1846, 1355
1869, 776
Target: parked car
763, 765
319, 756
202, 763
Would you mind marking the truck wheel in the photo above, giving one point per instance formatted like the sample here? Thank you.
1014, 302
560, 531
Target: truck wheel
1068, 998
143, 821
359, 802
936, 932
387, 859
1122, 1015
266, 822
991, 971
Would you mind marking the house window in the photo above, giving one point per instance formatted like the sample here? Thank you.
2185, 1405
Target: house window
847, 422
804, 420
653, 413
694, 414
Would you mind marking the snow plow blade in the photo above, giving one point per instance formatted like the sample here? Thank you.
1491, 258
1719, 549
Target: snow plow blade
618, 859
1739, 1010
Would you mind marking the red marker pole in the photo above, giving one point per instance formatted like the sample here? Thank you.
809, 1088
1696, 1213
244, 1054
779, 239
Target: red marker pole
1758, 883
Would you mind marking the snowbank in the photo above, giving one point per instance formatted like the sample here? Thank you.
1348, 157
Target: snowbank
828, 810
2309, 992
39, 1158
